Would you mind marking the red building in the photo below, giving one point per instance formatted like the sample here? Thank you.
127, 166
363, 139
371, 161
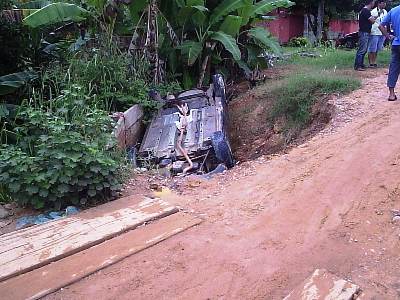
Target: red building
339, 28
286, 25
290, 25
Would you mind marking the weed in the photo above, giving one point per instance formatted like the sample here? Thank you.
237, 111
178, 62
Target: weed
295, 97
106, 81
333, 59
4, 195
299, 42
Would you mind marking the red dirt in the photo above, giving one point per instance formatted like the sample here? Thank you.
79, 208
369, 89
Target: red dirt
270, 223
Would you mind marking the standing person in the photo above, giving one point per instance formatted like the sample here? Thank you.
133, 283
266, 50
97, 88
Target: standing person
365, 22
377, 39
393, 19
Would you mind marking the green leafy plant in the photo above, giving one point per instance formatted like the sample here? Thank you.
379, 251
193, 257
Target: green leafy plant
4, 195
294, 99
57, 161
106, 81
10, 83
55, 13
211, 36
298, 42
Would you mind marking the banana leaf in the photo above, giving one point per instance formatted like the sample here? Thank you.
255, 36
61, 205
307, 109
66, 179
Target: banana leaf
36, 4
191, 51
267, 6
262, 36
231, 25
136, 9
54, 13
11, 82
229, 43
245, 11
225, 8
244, 67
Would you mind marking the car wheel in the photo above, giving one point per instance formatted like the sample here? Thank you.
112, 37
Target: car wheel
219, 86
222, 149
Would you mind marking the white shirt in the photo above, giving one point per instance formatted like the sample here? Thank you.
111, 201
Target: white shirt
380, 15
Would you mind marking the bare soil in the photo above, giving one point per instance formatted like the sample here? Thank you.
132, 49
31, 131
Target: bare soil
269, 223
252, 134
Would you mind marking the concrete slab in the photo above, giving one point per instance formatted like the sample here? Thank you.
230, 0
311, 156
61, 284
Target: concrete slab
322, 285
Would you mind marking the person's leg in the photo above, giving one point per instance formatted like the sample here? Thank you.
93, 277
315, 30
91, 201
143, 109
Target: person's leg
370, 58
394, 72
372, 49
362, 50
374, 56
380, 47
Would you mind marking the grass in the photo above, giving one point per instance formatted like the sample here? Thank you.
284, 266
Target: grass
330, 59
330, 72
293, 100
309, 80
296, 95
4, 197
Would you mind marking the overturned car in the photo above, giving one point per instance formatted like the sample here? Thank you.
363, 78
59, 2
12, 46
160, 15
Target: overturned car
189, 132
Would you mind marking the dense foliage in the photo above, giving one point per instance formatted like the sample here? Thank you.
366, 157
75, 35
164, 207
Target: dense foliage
298, 42
56, 161
105, 81
217, 36
66, 69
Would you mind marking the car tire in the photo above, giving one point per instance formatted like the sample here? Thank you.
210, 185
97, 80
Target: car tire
222, 149
219, 86
350, 44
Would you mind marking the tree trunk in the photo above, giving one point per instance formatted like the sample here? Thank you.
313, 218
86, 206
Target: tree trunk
151, 45
205, 64
312, 28
320, 19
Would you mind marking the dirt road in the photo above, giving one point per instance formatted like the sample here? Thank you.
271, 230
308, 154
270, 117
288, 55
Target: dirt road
270, 223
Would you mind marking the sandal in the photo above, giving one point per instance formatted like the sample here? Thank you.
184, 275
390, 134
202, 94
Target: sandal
392, 99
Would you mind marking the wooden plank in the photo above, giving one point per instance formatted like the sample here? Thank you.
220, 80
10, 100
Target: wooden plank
50, 278
30, 248
322, 285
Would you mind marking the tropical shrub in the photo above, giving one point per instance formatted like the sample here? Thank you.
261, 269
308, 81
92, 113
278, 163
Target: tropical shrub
197, 37
105, 80
298, 42
53, 160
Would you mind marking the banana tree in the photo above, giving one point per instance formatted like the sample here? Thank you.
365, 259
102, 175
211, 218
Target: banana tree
195, 35
228, 31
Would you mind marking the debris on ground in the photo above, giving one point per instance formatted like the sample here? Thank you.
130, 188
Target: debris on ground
4, 212
28, 221
221, 168
396, 216
4, 223
323, 285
